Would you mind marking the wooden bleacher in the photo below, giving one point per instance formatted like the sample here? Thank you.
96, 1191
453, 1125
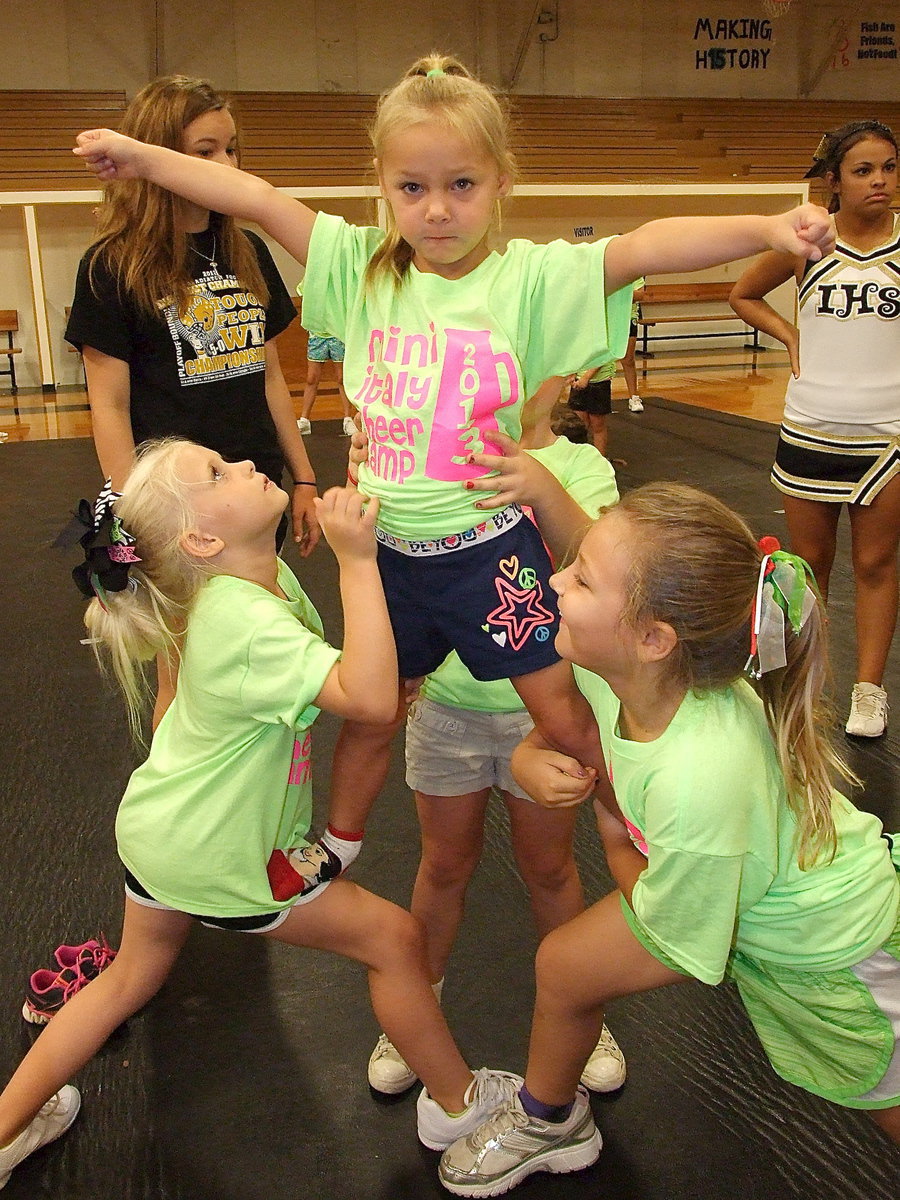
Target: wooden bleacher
309, 138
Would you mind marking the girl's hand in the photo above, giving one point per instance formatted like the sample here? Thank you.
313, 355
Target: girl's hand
807, 231
517, 477
110, 155
304, 522
358, 453
347, 519
792, 344
552, 779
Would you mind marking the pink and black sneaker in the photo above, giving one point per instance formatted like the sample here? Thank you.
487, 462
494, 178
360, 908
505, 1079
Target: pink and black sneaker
48, 990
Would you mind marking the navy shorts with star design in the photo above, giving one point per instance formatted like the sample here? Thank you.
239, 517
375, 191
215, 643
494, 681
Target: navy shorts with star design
487, 598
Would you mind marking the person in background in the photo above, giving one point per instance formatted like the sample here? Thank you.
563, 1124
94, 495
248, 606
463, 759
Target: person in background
839, 437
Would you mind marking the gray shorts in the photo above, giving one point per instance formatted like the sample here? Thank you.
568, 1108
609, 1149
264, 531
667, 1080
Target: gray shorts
454, 751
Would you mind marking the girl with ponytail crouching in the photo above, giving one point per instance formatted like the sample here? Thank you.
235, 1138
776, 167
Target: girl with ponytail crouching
215, 825
733, 854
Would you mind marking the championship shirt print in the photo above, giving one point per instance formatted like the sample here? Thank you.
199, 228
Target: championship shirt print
220, 332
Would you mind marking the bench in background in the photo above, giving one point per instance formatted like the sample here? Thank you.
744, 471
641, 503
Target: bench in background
704, 295
9, 324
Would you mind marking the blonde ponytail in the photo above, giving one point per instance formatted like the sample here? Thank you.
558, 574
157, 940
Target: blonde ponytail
131, 627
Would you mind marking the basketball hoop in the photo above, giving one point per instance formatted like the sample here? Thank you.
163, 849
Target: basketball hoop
776, 8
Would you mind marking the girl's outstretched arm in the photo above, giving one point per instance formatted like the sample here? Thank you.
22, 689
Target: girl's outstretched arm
211, 185
748, 299
363, 685
693, 243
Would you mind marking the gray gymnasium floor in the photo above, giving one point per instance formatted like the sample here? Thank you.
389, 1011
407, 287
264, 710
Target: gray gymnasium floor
245, 1078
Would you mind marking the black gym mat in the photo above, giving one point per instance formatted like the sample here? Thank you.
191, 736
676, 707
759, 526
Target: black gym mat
245, 1078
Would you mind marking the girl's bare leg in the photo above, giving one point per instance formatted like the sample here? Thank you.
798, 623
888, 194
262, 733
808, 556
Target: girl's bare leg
875, 532
599, 431
151, 942
390, 943
812, 528
311, 388
452, 836
888, 1119
543, 847
628, 368
362, 759
580, 966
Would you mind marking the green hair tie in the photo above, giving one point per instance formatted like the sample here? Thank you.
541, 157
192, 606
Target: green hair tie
434, 71
790, 594
785, 591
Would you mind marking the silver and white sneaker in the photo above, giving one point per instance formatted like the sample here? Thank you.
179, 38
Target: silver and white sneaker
51, 1122
305, 426
605, 1069
487, 1092
389, 1071
349, 426
511, 1145
868, 711
635, 404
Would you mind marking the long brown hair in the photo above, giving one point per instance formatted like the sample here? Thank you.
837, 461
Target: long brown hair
829, 153
696, 567
139, 240
440, 87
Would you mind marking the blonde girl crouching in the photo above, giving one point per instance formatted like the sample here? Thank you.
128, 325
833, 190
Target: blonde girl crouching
214, 824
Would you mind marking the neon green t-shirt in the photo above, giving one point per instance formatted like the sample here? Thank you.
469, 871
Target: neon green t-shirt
606, 371
635, 304
590, 479
436, 365
227, 779
705, 802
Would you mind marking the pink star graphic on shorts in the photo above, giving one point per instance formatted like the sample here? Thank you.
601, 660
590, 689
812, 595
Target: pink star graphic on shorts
520, 611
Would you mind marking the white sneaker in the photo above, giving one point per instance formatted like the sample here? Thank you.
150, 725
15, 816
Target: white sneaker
487, 1092
304, 426
605, 1069
388, 1070
349, 426
50, 1123
511, 1145
635, 404
868, 710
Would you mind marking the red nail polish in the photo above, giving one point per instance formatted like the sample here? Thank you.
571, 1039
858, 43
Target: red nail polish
469, 485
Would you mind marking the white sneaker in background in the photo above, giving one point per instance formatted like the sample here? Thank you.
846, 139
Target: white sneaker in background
304, 426
635, 404
51, 1122
388, 1070
605, 1069
349, 426
868, 711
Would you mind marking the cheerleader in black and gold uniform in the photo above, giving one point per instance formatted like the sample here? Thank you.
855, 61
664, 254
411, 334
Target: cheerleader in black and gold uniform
840, 438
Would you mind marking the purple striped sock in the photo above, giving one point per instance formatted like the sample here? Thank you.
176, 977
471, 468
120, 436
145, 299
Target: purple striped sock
555, 1114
